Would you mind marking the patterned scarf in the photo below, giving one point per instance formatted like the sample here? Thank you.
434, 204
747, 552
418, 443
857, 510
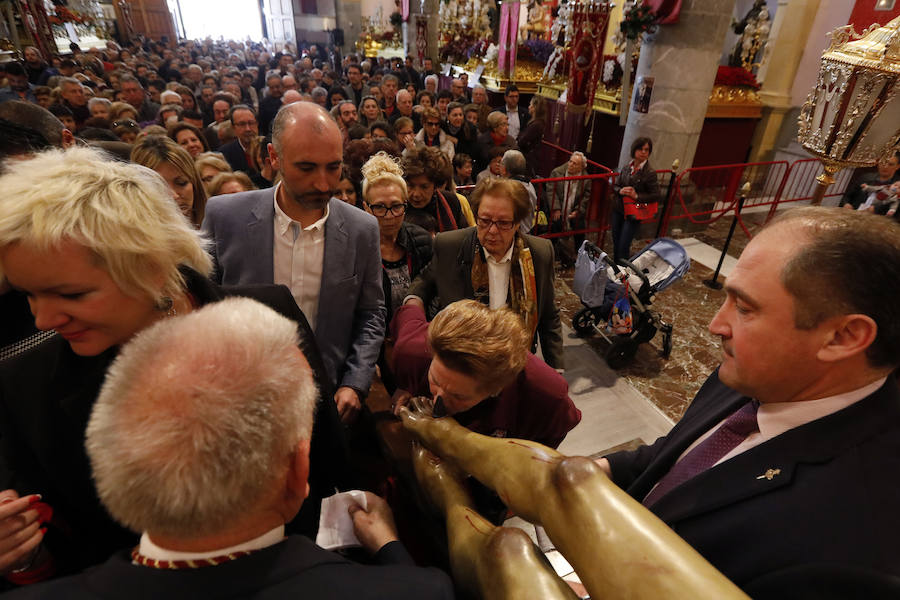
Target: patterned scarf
522, 283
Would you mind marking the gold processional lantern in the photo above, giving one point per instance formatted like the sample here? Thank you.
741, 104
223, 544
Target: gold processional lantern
852, 117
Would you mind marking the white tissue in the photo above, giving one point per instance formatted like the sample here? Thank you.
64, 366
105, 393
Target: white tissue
335, 523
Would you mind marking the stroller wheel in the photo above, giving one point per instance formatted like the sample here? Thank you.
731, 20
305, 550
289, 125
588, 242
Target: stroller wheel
620, 352
584, 320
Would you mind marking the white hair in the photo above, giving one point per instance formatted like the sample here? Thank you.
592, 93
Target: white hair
122, 213
168, 93
433, 78
95, 101
198, 419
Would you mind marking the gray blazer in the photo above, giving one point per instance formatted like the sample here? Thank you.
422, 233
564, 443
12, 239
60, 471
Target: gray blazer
350, 323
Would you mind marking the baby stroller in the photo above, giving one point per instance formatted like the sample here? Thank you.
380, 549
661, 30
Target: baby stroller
599, 281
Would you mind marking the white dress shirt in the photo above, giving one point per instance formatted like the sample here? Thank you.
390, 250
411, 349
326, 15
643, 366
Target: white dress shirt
775, 418
298, 255
150, 550
512, 117
498, 278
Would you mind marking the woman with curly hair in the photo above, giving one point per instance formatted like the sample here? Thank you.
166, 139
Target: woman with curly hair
405, 248
426, 170
176, 166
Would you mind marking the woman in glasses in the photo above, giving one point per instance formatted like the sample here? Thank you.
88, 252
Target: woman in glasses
405, 248
432, 135
495, 263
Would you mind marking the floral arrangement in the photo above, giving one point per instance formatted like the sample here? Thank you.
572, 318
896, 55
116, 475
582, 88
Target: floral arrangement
637, 19
477, 49
612, 70
539, 50
736, 76
63, 15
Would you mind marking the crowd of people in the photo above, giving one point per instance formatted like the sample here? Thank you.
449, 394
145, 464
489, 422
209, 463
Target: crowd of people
188, 432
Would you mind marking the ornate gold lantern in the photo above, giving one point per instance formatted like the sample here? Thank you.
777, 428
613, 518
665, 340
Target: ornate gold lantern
852, 116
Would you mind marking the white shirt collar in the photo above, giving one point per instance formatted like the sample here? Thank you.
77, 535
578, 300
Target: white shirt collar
150, 550
777, 417
283, 221
506, 257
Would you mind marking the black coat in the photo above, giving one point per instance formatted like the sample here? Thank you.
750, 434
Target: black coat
46, 398
294, 568
833, 502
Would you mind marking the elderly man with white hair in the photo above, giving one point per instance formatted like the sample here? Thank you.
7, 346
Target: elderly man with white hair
200, 441
568, 201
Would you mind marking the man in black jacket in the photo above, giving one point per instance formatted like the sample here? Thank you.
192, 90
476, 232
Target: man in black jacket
212, 494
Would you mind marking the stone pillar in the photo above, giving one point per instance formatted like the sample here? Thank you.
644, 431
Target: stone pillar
790, 32
683, 59
349, 18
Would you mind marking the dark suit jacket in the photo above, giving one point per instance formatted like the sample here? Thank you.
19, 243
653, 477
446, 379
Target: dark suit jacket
235, 156
448, 277
350, 321
556, 192
294, 568
834, 501
46, 397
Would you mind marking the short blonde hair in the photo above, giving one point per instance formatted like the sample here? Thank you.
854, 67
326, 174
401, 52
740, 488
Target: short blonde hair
117, 108
198, 419
491, 346
222, 178
382, 169
153, 150
212, 159
504, 188
495, 118
122, 213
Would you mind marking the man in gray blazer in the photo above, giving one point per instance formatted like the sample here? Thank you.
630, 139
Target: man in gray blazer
327, 252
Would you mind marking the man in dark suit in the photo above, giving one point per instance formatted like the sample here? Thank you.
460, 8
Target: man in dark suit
808, 484
567, 201
497, 265
211, 496
324, 250
246, 128
516, 115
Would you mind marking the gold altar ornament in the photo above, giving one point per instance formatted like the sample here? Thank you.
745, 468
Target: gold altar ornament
852, 116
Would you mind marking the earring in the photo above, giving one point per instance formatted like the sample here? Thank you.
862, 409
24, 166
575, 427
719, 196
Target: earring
166, 305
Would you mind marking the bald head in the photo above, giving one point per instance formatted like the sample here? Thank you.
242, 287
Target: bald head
301, 118
291, 96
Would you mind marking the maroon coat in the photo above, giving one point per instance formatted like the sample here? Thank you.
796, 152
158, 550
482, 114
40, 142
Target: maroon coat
535, 406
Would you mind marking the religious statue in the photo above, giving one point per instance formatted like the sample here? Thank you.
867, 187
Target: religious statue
618, 548
534, 27
753, 30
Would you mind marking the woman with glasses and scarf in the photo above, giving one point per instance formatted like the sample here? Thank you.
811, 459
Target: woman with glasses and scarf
498, 265
432, 135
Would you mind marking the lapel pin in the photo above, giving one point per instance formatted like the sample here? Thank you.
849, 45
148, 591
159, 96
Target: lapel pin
770, 474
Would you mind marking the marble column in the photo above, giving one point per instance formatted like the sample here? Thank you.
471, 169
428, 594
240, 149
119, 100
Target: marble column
787, 41
682, 58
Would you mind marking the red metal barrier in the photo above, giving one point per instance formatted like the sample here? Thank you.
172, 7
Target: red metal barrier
801, 181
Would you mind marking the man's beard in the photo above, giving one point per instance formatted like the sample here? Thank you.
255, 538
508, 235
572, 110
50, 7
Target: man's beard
311, 200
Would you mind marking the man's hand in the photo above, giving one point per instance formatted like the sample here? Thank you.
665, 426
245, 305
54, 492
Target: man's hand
399, 400
604, 466
574, 214
628, 191
348, 404
20, 530
373, 527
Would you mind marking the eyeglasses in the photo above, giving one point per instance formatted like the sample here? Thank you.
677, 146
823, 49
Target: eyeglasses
127, 123
380, 210
485, 223
433, 123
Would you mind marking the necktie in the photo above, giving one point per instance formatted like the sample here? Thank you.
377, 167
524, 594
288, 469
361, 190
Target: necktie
732, 432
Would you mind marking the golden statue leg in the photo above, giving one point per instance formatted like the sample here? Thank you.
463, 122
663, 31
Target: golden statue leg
487, 561
617, 547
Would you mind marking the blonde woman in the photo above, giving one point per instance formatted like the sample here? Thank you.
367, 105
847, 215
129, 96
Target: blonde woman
208, 165
175, 165
405, 248
230, 183
109, 256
